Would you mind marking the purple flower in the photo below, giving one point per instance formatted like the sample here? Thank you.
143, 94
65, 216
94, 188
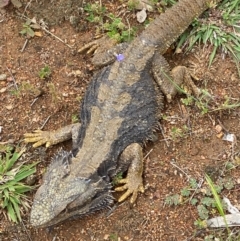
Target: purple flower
120, 57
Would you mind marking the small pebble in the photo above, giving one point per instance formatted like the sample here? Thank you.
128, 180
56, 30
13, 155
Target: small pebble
9, 107
3, 90
218, 128
3, 77
16, 3
220, 135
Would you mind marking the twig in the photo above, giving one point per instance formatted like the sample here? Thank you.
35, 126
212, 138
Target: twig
25, 9
198, 186
188, 177
34, 101
44, 28
221, 124
54, 238
45, 122
24, 45
112, 209
164, 137
147, 154
26, 231
13, 79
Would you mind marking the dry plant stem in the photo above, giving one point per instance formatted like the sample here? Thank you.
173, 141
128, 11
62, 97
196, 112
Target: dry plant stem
147, 154
24, 45
44, 29
164, 137
34, 101
110, 212
13, 79
28, 4
29, 238
221, 124
188, 177
199, 186
45, 122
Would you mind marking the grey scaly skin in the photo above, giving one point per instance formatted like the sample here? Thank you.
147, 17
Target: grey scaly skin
119, 113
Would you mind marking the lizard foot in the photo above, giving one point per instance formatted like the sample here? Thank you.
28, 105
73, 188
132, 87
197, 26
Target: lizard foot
40, 138
90, 47
99, 45
104, 50
133, 185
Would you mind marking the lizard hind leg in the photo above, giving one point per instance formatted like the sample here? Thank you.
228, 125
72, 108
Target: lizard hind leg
170, 82
133, 183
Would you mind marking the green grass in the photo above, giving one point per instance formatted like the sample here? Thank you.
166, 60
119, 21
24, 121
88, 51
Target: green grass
44, 72
12, 186
222, 33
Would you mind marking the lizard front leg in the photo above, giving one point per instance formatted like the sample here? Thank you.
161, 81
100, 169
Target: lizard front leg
50, 138
133, 183
105, 50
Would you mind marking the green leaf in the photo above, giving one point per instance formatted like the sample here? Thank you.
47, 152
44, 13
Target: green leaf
185, 192
194, 201
193, 183
173, 200
215, 195
11, 214
6, 193
208, 201
23, 174
23, 32
11, 161
16, 207
30, 32
212, 56
202, 212
5, 202
23, 188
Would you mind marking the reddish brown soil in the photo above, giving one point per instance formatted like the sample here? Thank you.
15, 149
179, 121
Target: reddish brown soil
58, 99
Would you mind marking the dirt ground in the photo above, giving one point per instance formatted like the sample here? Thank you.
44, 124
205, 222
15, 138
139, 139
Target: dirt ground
28, 103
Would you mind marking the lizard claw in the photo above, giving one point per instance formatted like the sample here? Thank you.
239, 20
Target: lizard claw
39, 137
90, 47
133, 185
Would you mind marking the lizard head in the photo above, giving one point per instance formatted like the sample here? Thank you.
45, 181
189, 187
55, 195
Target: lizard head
62, 195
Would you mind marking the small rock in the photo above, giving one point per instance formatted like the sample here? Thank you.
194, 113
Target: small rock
9, 107
218, 128
16, 3
13, 71
65, 94
3, 90
220, 135
106, 236
31, 180
3, 77
142, 15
